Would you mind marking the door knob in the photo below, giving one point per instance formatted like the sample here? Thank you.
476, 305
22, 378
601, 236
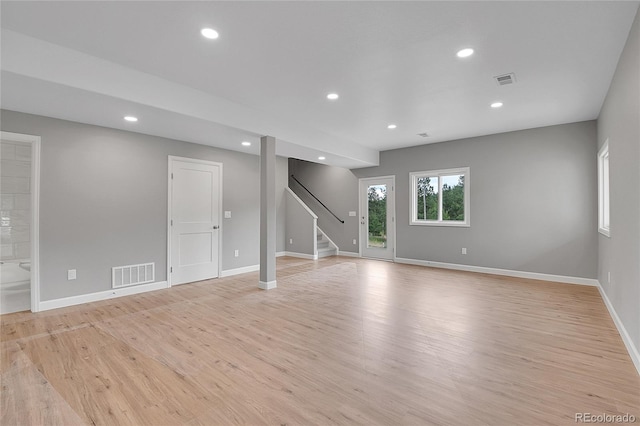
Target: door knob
216, 227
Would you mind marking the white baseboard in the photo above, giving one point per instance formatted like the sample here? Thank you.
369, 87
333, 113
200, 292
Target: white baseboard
348, 253
281, 253
267, 285
631, 348
505, 272
301, 255
238, 271
101, 295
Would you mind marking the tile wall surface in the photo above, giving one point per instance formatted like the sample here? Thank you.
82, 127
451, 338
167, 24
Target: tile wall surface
15, 201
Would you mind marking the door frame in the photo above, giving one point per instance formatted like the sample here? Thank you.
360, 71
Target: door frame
35, 142
171, 159
364, 236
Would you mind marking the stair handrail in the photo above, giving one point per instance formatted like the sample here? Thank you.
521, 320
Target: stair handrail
316, 198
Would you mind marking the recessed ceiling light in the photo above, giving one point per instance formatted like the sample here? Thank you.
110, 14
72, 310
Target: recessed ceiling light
209, 33
496, 104
245, 143
464, 53
131, 118
321, 158
332, 96
391, 126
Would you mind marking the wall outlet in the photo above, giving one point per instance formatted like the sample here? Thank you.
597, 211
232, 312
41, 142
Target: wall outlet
71, 274
354, 242
464, 250
236, 253
290, 240
227, 214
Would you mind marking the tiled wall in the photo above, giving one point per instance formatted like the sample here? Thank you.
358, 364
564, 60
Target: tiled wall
15, 200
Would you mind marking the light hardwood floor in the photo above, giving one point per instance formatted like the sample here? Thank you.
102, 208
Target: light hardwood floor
340, 341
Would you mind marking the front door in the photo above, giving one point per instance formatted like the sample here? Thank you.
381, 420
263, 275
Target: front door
194, 220
377, 221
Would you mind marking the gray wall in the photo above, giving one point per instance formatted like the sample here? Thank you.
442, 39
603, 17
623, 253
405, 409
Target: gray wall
533, 205
337, 188
300, 229
619, 121
103, 201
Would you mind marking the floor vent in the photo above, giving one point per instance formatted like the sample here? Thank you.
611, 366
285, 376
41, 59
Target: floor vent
124, 276
505, 79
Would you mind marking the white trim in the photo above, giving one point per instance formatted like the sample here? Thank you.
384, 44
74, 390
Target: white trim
35, 142
441, 223
348, 254
301, 255
506, 272
360, 232
35, 224
241, 270
18, 137
280, 254
314, 238
172, 158
413, 205
602, 154
101, 295
267, 285
293, 194
626, 339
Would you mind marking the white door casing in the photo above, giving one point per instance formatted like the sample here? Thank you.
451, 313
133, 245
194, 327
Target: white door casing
381, 246
195, 235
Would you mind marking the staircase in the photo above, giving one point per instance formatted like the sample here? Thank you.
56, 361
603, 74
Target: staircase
326, 247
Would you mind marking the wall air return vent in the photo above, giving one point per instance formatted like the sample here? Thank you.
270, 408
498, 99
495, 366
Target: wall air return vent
505, 79
124, 276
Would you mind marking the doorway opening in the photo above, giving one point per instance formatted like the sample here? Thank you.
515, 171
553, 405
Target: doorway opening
19, 199
377, 217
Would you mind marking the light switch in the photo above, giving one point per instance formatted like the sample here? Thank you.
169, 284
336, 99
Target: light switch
352, 214
71, 274
227, 214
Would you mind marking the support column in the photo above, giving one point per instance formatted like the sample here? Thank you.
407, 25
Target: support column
267, 213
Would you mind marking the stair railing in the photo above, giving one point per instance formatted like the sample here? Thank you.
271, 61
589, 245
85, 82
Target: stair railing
316, 198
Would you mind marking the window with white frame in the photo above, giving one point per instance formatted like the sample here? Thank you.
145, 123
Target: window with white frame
440, 197
603, 189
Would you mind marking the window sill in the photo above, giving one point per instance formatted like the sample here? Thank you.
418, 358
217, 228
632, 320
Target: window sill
604, 231
438, 223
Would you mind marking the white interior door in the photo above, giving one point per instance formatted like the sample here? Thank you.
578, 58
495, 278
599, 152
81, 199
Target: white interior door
194, 220
377, 217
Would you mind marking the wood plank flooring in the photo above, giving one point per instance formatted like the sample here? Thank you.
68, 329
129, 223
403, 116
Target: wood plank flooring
340, 341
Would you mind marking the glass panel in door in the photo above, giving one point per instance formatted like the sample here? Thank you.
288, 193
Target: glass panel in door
377, 212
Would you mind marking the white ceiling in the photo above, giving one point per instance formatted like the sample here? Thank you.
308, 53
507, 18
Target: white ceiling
274, 63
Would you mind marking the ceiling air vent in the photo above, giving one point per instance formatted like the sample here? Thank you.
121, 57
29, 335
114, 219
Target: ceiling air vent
423, 135
505, 79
